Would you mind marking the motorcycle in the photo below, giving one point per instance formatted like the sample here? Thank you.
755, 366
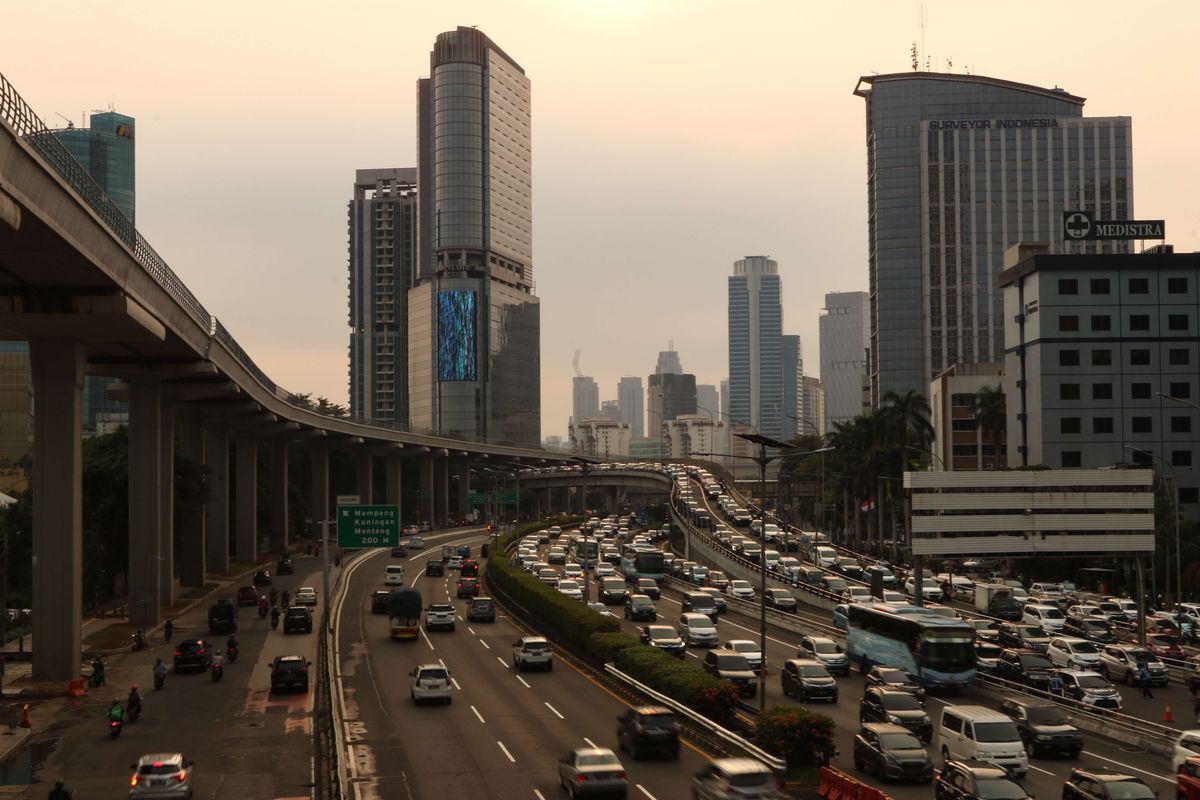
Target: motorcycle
262, 610
275, 620
218, 672
159, 679
139, 642
232, 653
114, 728
168, 630
133, 712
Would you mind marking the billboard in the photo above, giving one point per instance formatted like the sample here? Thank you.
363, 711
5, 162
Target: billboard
456, 336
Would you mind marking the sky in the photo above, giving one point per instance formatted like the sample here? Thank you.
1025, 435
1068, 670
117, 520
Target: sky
670, 138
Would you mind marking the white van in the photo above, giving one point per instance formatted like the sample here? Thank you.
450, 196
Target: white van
825, 556
975, 732
393, 575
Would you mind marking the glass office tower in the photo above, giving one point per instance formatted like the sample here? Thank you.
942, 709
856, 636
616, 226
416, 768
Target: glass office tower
755, 346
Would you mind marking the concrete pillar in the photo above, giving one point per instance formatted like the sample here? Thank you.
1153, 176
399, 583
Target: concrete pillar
166, 448
393, 467
191, 528
364, 476
426, 493
319, 499
441, 491
537, 504
57, 369
462, 506
246, 500
277, 496
145, 501
216, 513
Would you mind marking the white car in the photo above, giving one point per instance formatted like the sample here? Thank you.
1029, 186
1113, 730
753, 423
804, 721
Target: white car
572, 571
604, 570
824, 557
827, 651
532, 651
742, 590
1188, 744
929, 588
305, 596
858, 594
749, 649
1087, 611
571, 589
698, 630
892, 597
429, 682
1070, 652
1047, 617
602, 610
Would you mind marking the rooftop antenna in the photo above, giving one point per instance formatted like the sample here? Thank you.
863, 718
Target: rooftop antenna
923, 22
916, 59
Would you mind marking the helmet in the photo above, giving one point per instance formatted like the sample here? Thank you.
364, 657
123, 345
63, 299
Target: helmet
58, 784
157, 661
133, 688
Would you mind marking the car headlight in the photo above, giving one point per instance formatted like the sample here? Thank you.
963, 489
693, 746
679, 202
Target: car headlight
1042, 737
891, 759
893, 720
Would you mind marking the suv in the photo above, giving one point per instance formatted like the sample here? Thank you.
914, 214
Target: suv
1105, 784
434, 568
1024, 666
640, 607
648, 729
897, 707
1023, 636
698, 630
1089, 688
162, 775
892, 753
468, 587
222, 618
741, 778
481, 609
1122, 662
439, 615
967, 780
613, 591
1043, 726
780, 599
380, 599
1096, 629
285, 567
192, 654
289, 672
664, 637
532, 651
827, 652
429, 682
896, 679
730, 665
297, 619
806, 680
247, 596
979, 733
700, 602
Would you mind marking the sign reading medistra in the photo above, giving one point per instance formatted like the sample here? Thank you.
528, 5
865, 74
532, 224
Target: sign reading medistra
1079, 226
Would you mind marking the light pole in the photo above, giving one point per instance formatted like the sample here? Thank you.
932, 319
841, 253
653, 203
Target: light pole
585, 466
1175, 509
820, 436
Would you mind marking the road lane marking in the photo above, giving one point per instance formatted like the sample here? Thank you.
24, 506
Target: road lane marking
478, 715
485, 644
522, 680
539, 795
690, 653
443, 663
1043, 771
472, 630
555, 710
426, 638
589, 741
456, 686
505, 749
1126, 766
503, 663
642, 789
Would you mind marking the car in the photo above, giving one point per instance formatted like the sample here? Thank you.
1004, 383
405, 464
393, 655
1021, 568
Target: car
929, 588
247, 596
453, 562
439, 616
849, 567
780, 599
1164, 646
893, 598
380, 600
297, 619
833, 584
1089, 688
648, 729
192, 654
858, 594
1101, 783
1043, 725
467, 587
464, 550
750, 649
557, 555
885, 576
399, 552
807, 679
571, 589
1023, 636
284, 566
262, 577
481, 609
1068, 652
469, 568
895, 679
740, 590
649, 587
1122, 662
640, 607
305, 596
970, 780
987, 630
289, 672
393, 575
613, 591
698, 629
604, 570
987, 656
573, 571
435, 568
1027, 667
664, 637
1187, 744
591, 770
827, 651
1096, 629
982, 734
892, 753
429, 682
416, 543
532, 651
162, 775
222, 617
735, 779
897, 707
717, 598
717, 579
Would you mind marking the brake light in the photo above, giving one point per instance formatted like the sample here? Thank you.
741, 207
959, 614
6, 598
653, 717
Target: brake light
182, 776
178, 652
133, 781
157, 764
581, 777
621, 775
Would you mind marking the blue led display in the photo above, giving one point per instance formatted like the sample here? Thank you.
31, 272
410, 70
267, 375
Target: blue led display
456, 336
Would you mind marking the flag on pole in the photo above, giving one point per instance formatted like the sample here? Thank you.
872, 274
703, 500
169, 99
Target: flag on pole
868, 504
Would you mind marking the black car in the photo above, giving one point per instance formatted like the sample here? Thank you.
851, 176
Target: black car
222, 618
648, 729
780, 599
297, 619
285, 567
1105, 784
640, 607
379, 601
972, 780
399, 552
664, 637
192, 654
1024, 666
895, 678
481, 609
1090, 628
730, 665
1044, 726
648, 587
247, 596
849, 567
262, 577
1023, 637
467, 587
1005, 607
469, 568
892, 753
986, 630
896, 707
434, 567
807, 679
289, 672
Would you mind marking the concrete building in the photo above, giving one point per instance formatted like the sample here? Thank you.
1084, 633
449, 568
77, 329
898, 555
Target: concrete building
632, 404
959, 168
845, 332
669, 395
708, 401
585, 397
811, 406
958, 441
755, 347
611, 410
668, 361
692, 433
474, 321
792, 359
1102, 363
383, 265
599, 436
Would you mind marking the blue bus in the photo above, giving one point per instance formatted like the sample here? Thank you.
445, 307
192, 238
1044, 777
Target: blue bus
642, 561
938, 651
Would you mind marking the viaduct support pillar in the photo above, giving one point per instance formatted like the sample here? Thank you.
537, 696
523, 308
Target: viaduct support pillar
216, 513
364, 476
57, 367
246, 543
319, 504
191, 528
393, 469
277, 494
166, 449
462, 466
441, 491
145, 501
426, 493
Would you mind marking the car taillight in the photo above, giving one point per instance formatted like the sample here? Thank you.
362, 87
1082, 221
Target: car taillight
178, 652
621, 775
133, 781
182, 776
581, 777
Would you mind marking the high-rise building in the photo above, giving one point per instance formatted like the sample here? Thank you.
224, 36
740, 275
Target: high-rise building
845, 330
599, 436
708, 401
812, 405
610, 409
725, 398
474, 321
383, 264
669, 396
792, 354
668, 361
585, 398
959, 168
755, 357
631, 403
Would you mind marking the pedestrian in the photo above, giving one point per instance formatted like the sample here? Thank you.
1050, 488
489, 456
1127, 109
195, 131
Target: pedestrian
1144, 680
59, 792
1056, 687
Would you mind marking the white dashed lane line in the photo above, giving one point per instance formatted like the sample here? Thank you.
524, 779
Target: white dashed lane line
642, 789
589, 741
523, 683
485, 644
555, 710
478, 715
505, 749
503, 663
456, 686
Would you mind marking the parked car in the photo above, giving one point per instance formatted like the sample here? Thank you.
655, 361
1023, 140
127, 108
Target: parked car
892, 753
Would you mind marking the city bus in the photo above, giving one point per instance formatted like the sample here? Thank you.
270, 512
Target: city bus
586, 551
937, 650
641, 561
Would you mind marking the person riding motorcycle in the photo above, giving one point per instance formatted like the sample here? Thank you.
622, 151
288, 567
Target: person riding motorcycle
160, 669
168, 630
97, 671
133, 703
274, 596
275, 617
286, 597
59, 792
115, 712
263, 605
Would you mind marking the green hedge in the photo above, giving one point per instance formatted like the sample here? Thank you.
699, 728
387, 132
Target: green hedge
796, 734
680, 680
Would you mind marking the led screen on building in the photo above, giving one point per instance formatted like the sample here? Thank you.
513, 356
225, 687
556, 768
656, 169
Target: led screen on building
456, 336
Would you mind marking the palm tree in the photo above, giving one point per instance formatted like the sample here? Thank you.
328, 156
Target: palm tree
992, 418
904, 423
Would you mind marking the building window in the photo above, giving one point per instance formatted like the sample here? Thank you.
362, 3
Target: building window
1139, 357
965, 450
1181, 389
1142, 458
1142, 424
1102, 391
1068, 323
1177, 322
1139, 286
1102, 358
1181, 458
1071, 458
1068, 358
1177, 285
1102, 425
1139, 322
1181, 424
1100, 286
962, 400
1069, 425
1068, 391
1068, 286
1101, 322
1178, 357
1189, 494
964, 425
1139, 391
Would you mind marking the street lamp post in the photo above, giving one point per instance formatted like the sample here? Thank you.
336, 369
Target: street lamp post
1175, 509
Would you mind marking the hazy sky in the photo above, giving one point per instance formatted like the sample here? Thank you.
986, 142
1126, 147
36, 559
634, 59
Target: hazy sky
669, 139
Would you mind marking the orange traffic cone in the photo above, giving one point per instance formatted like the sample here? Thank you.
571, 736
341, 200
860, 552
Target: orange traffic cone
1167, 714
25, 723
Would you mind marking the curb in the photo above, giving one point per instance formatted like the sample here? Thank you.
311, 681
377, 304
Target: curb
13, 740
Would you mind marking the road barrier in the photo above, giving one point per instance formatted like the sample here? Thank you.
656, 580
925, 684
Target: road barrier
837, 785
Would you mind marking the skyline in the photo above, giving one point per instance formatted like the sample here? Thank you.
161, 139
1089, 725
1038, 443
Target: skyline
648, 180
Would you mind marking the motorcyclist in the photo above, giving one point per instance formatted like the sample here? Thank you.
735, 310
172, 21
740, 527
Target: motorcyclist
275, 617
97, 671
274, 595
59, 792
286, 597
133, 704
115, 712
168, 630
139, 639
263, 605
160, 669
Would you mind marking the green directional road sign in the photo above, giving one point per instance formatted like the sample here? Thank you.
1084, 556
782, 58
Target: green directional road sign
505, 498
368, 526
476, 498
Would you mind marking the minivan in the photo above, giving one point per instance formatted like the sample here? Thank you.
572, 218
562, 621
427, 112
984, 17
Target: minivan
978, 733
698, 630
393, 575
700, 602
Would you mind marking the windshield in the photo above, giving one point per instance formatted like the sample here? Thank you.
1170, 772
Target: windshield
596, 760
999, 789
986, 650
663, 633
1095, 625
740, 584
1045, 715
748, 780
1083, 647
1093, 682
1163, 641
1034, 661
899, 741
892, 675
825, 647
640, 601
530, 646
996, 732
433, 674
1052, 613
945, 656
732, 661
1031, 632
1129, 790
813, 672
657, 721
900, 702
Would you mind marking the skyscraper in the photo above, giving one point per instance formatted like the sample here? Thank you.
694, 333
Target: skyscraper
845, 331
383, 264
668, 361
708, 402
631, 402
755, 357
812, 405
959, 168
669, 396
585, 398
474, 321
792, 356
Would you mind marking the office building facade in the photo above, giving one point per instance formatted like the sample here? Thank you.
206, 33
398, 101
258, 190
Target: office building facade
474, 320
792, 359
708, 401
585, 397
755, 346
632, 405
959, 168
668, 361
669, 396
845, 331
958, 440
811, 406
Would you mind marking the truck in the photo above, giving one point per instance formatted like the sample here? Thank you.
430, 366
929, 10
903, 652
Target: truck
404, 611
449, 551
997, 600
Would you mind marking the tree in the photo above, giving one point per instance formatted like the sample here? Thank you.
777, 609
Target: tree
992, 418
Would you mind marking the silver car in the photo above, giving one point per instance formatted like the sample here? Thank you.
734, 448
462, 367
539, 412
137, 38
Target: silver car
592, 770
740, 778
161, 775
